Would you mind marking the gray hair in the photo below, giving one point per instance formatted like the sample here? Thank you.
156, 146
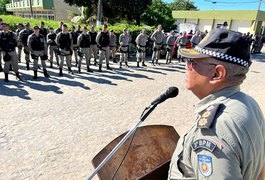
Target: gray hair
236, 74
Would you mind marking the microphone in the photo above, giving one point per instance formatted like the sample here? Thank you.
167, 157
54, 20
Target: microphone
170, 93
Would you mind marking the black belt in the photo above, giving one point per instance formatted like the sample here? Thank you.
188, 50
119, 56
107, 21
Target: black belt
159, 43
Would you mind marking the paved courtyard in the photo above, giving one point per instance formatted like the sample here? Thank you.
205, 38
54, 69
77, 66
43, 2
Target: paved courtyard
52, 128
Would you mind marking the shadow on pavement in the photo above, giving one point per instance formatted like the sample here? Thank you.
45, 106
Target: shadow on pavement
258, 57
18, 91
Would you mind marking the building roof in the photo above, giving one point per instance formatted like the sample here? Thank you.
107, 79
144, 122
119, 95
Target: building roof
218, 14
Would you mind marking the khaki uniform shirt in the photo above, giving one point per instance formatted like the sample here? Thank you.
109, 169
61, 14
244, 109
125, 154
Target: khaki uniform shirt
227, 140
158, 37
141, 39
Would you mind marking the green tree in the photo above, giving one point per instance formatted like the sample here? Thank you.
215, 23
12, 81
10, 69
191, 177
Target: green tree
159, 13
180, 5
129, 10
3, 6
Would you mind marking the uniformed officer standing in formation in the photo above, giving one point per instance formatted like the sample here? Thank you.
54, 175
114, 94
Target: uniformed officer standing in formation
20, 27
157, 37
53, 48
1, 69
124, 46
23, 39
38, 48
65, 42
59, 29
141, 41
112, 45
83, 42
182, 41
93, 45
103, 41
196, 39
170, 47
75, 34
43, 29
8, 44
227, 139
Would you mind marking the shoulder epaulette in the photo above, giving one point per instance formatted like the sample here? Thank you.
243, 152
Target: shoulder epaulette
206, 116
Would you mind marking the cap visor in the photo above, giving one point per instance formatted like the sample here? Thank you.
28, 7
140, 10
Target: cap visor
191, 53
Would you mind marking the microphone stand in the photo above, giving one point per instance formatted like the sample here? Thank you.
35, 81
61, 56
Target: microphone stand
144, 115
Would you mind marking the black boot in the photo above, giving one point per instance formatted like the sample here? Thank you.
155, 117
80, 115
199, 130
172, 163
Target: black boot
126, 64
108, 67
88, 69
79, 69
1, 69
27, 65
6, 77
70, 70
45, 73
51, 64
120, 64
153, 63
143, 64
35, 74
18, 76
10, 68
138, 64
99, 68
60, 71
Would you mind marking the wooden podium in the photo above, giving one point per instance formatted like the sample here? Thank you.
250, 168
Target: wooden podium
148, 157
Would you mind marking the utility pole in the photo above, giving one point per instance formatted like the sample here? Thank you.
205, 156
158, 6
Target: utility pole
99, 14
31, 10
256, 20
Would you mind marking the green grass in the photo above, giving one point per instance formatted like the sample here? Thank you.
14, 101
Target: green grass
118, 28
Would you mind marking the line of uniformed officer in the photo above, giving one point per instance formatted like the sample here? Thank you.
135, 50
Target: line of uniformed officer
84, 42
124, 47
23, 40
8, 44
157, 37
141, 41
38, 48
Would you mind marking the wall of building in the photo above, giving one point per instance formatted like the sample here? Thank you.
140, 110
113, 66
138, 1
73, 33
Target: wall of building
47, 9
62, 10
243, 21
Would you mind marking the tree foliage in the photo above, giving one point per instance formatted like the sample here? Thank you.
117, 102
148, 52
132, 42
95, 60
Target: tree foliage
3, 6
159, 13
180, 5
129, 10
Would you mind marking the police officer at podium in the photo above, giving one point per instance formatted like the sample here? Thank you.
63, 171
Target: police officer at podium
227, 138
38, 48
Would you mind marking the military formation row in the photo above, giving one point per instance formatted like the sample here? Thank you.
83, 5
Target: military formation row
81, 43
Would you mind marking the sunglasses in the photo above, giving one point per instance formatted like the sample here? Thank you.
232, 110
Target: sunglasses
190, 64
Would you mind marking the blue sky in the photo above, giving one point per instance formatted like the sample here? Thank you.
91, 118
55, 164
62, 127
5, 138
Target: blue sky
227, 4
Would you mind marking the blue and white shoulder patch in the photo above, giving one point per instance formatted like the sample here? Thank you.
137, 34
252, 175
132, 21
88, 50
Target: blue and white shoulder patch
205, 165
206, 116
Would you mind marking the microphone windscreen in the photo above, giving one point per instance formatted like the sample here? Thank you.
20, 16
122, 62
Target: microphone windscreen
172, 92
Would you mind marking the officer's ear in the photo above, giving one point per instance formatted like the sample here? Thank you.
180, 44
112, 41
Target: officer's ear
218, 74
